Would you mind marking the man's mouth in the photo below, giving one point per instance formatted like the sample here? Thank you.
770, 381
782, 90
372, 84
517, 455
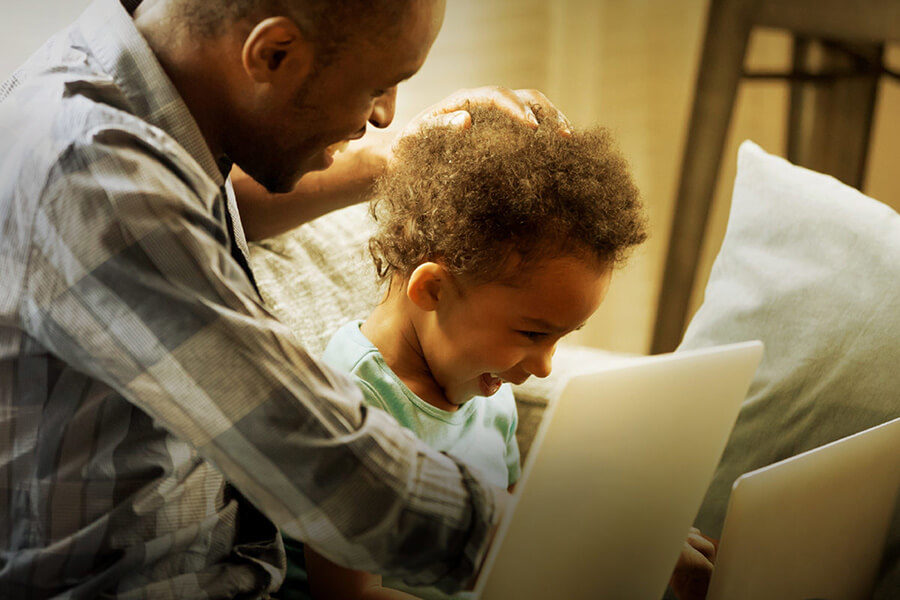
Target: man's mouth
337, 147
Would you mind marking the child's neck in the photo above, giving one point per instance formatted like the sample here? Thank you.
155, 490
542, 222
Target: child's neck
392, 330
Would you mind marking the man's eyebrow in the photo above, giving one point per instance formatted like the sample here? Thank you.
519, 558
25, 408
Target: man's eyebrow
547, 326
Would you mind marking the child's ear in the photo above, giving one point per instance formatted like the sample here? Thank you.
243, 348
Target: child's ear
425, 285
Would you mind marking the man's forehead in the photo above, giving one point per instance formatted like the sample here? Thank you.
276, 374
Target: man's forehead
411, 30
398, 53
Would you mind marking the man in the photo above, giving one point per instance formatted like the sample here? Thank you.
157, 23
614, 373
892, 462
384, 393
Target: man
139, 370
156, 424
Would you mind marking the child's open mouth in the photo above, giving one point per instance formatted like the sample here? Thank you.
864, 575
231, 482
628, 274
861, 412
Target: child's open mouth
489, 384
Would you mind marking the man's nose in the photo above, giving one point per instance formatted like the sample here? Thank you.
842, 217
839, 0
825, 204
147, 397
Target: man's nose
383, 111
541, 362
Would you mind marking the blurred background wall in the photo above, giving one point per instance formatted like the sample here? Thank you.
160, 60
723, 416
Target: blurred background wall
625, 64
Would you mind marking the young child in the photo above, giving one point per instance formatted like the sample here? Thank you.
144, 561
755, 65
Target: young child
494, 244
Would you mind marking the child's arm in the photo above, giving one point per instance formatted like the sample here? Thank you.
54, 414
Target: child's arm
693, 572
329, 581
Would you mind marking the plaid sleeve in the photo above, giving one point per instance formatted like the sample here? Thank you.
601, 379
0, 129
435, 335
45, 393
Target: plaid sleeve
130, 280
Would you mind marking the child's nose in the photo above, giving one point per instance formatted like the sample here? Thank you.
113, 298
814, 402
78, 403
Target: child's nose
541, 363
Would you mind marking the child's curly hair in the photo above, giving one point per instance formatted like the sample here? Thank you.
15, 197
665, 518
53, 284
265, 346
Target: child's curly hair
473, 200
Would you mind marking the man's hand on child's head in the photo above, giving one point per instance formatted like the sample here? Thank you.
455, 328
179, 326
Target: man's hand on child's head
690, 580
452, 111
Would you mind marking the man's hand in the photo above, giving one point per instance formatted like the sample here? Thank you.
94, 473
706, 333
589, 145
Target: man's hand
452, 111
349, 180
694, 568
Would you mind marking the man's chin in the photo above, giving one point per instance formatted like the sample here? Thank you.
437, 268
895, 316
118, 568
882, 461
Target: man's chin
277, 183
281, 181
280, 187
285, 184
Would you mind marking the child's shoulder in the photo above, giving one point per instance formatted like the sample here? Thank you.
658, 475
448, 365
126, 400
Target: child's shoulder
349, 350
348, 347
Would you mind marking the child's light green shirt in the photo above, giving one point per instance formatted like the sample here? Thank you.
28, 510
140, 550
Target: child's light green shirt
481, 433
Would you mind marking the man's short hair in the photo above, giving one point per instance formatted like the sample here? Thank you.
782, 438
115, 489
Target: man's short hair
330, 24
500, 190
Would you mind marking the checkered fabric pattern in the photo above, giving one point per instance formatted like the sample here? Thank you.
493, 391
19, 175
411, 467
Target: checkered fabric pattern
157, 424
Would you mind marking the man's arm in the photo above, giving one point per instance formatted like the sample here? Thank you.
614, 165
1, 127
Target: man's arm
130, 280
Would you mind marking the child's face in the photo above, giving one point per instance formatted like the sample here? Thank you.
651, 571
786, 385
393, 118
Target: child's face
500, 332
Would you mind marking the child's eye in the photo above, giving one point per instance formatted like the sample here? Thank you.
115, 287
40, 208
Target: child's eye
533, 335
378, 93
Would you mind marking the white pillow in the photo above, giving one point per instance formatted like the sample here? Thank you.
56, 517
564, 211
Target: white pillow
812, 268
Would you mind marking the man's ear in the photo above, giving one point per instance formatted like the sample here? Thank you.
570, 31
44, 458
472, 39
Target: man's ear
427, 285
276, 49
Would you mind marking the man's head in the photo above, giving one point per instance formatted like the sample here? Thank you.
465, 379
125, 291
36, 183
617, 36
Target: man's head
329, 24
304, 75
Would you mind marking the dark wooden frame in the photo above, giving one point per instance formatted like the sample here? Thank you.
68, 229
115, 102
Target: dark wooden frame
829, 121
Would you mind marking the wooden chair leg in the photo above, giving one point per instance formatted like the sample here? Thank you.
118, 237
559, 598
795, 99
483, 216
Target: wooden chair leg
830, 121
727, 31
797, 119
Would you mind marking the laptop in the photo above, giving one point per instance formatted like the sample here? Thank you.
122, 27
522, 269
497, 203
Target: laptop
615, 477
813, 525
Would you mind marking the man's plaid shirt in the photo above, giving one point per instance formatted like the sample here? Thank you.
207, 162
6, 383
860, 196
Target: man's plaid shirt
142, 382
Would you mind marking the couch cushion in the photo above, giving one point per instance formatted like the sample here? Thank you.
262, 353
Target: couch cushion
318, 276
812, 268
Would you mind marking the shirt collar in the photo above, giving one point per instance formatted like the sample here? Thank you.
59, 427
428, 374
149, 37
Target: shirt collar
118, 45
